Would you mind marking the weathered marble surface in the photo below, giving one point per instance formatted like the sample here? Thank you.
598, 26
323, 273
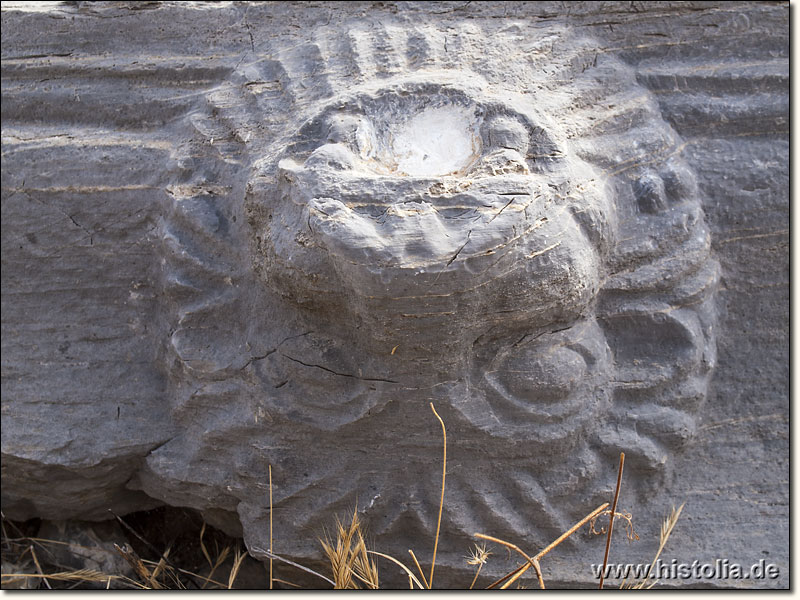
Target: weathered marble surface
219, 254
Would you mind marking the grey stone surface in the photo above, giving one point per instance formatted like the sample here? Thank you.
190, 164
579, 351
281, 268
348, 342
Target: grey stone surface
241, 235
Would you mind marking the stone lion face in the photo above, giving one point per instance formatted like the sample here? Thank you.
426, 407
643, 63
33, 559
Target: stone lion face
428, 209
523, 246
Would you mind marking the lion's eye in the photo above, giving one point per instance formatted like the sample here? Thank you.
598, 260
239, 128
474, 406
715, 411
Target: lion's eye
352, 131
506, 133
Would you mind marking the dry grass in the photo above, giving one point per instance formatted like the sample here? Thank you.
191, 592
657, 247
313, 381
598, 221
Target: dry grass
666, 530
478, 557
215, 564
31, 562
534, 562
427, 583
611, 520
350, 562
80, 575
271, 578
441, 502
350, 559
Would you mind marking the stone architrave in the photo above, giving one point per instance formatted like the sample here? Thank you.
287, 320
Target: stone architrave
338, 228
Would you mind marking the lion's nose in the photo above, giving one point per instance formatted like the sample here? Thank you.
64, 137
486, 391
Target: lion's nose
436, 142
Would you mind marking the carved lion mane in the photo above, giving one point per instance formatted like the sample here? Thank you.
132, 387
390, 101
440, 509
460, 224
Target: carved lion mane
496, 220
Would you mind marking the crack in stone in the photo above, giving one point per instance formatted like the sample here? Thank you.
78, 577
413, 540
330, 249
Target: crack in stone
536, 337
273, 350
497, 214
255, 358
159, 445
455, 256
336, 372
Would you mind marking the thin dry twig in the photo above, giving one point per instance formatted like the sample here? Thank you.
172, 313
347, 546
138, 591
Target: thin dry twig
518, 573
134, 532
170, 572
283, 581
221, 558
239, 557
474, 579
539, 577
79, 575
666, 530
411, 576
270, 525
161, 564
39, 568
185, 572
213, 565
255, 551
441, 501
494, 584
520, 570
429, 581
421, 574
138, 566
630, 532
571, 530
611, 518
203, 546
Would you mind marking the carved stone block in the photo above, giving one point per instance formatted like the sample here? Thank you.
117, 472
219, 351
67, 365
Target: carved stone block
279, 246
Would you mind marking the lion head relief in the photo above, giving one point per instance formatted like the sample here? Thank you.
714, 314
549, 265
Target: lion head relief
508, 231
